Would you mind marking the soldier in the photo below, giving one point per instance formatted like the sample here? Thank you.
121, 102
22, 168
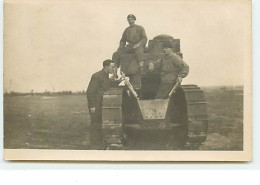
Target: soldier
98, 84
173, 70
136, 37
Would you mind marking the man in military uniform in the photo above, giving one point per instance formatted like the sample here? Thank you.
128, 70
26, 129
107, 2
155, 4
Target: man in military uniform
99, 83
173, 70
136, 38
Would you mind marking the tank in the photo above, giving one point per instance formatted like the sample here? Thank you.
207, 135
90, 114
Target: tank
148, 123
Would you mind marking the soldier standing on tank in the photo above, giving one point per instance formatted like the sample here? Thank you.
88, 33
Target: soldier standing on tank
136, 38
99, 83
173, 70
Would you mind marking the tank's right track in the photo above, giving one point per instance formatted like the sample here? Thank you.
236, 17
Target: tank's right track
197, 114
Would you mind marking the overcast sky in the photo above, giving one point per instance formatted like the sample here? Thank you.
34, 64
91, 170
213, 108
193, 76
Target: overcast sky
59, 45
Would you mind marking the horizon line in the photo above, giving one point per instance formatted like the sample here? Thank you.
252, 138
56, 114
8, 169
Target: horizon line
84, 90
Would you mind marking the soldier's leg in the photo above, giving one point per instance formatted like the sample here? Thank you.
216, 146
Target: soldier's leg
164, 90
93, 128
139, 51
135, 80
99, 133
96, 136
116, 56
163, 93
92, 116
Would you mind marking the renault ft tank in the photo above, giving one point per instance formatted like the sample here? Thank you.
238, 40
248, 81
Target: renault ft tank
140, 123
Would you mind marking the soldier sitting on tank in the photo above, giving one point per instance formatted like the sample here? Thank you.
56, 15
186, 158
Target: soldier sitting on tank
99, 83
136, 38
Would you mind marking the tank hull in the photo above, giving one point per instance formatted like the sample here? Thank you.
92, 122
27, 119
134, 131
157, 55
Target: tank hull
124, 126
157, 137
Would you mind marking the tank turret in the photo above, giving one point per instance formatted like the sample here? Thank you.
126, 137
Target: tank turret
155, 45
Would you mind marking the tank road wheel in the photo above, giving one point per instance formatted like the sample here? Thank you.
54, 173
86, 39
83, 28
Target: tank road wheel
112, 119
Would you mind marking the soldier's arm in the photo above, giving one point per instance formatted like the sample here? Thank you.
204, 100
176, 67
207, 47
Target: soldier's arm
123, 40
92, 91
178, 61
185, 69
114, 81
143, 41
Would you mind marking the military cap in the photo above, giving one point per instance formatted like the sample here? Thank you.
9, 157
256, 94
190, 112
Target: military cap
167, 45
131, 16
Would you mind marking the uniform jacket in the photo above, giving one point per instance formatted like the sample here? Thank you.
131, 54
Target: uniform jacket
172, 66
98, 84
133, 35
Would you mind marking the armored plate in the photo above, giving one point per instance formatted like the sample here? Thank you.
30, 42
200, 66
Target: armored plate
153, 109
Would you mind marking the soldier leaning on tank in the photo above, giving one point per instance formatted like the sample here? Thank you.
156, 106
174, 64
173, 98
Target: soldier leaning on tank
136, 38
99, 83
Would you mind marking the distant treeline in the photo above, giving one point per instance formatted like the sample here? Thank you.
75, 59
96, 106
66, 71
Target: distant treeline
237, 89
46, 93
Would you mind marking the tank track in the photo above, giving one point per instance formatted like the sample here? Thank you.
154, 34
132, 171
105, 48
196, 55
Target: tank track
112, 119
197, 115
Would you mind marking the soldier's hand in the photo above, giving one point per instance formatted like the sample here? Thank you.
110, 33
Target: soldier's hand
114, 76
92, 109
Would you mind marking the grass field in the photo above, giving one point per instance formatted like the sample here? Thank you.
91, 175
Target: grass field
62, 122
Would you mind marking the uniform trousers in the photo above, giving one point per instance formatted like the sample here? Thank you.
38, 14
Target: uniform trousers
96, 135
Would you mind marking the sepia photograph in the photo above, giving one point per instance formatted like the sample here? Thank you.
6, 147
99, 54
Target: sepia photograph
127, 80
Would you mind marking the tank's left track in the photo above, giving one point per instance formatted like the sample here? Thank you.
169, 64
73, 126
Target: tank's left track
112, 119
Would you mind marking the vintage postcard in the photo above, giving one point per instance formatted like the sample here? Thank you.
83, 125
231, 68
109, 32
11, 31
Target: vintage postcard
127, 80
